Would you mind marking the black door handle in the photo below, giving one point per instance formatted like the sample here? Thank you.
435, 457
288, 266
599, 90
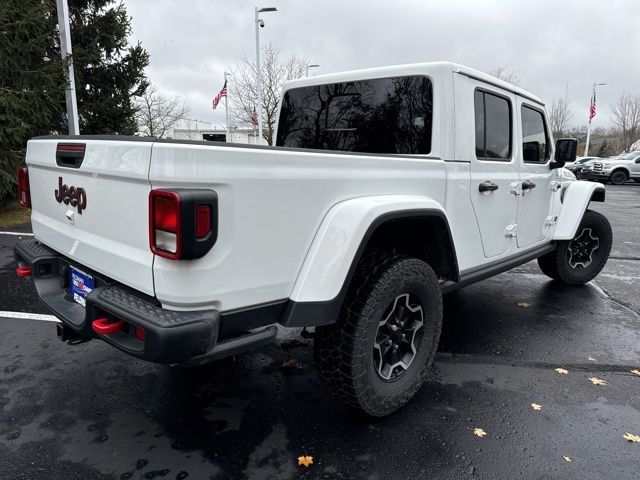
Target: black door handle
487, 186
528, 185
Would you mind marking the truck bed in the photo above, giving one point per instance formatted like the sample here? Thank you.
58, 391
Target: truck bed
271, 203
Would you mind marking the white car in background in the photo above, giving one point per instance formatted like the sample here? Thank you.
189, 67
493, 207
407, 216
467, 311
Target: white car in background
617, 170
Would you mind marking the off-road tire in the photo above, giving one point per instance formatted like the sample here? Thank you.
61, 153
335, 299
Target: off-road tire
343, 351
619, 177
556, 264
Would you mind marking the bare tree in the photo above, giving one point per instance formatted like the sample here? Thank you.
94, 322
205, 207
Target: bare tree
502, 73
157, 113
274, 72
559, 117
626, 117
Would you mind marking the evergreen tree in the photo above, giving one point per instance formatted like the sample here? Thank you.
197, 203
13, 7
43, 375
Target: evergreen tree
31, 83
108, 71
605, 149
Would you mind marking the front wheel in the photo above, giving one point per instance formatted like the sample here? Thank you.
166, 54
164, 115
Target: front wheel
376, 356
618, 178
578, 261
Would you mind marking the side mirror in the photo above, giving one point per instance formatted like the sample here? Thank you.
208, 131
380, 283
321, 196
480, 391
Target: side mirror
566, 149
637, 160
531, 151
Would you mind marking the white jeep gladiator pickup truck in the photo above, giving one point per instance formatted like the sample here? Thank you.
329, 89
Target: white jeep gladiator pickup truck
388, 188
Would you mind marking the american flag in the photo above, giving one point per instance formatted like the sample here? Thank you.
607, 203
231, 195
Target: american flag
592, 107
218, 97
254, 118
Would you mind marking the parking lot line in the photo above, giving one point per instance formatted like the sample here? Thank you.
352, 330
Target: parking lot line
17, 234
29, 316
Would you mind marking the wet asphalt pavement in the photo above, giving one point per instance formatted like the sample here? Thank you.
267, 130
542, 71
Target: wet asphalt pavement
91, 412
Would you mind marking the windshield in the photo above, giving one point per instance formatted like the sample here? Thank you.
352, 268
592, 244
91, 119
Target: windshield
629, 156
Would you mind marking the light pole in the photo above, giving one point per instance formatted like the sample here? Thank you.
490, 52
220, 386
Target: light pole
310, 66
65, 50
592, 104
259, 23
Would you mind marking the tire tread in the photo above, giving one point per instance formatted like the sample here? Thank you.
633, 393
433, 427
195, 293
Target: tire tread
338, 348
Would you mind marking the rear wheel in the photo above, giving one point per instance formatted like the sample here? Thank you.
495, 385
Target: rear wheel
618, 177
578, 261
376, 356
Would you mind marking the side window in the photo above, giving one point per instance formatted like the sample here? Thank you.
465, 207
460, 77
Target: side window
381, 115
478, 102
535, 142
493, 126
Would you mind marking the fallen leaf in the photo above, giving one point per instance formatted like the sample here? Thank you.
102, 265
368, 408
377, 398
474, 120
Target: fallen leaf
567, 459
562, 371
632, 438
536, 406
523, 304
305, 460
636, 372
478, 432
597, 381
290, 362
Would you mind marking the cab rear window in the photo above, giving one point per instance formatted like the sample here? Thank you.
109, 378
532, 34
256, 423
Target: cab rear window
386, 115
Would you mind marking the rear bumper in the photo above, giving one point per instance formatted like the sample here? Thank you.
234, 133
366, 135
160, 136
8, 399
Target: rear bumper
169, 336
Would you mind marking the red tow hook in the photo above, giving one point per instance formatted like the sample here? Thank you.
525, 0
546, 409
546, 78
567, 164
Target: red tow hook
24, 271
103, 326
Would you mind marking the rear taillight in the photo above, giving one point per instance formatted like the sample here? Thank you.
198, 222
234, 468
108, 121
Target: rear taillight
182, 222
24, 195
164, 234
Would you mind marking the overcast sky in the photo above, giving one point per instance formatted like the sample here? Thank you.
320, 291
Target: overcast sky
550, 43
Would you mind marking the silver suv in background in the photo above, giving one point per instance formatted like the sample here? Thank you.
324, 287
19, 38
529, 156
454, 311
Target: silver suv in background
616, 170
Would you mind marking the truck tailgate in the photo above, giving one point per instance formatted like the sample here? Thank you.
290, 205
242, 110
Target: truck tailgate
108, 230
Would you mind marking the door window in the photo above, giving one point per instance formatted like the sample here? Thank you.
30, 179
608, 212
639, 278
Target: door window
493, 126
535, 142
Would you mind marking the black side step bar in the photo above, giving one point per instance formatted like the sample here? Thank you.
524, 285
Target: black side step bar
233, 346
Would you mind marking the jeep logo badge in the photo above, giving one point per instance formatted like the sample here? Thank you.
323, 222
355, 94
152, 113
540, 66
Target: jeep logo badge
74, 196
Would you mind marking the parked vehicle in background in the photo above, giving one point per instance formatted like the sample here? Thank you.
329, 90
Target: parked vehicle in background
388, 188
579, 163
616, 170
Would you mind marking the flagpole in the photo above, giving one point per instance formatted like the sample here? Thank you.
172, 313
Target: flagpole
591, 104
226, 106
586, 147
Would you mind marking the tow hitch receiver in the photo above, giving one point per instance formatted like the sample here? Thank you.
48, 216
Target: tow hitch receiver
104, 326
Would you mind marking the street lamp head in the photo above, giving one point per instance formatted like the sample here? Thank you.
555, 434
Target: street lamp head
267, 9
313, 65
